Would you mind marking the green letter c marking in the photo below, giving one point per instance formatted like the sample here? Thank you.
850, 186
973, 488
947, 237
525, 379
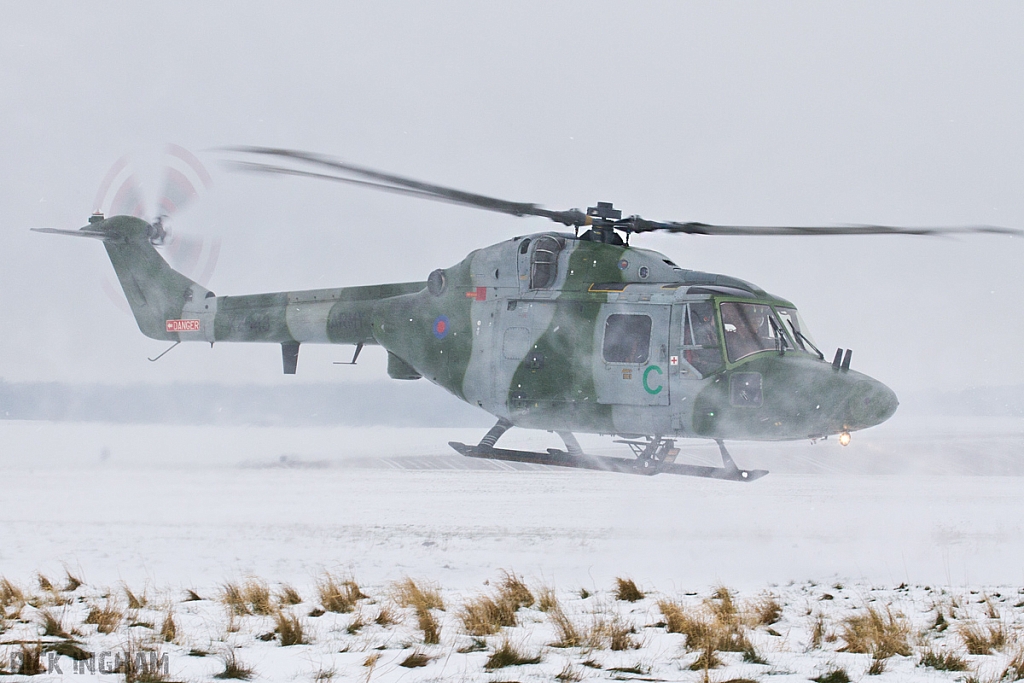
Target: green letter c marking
647, 387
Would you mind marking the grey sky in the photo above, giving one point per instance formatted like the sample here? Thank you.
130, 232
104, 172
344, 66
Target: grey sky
794, 113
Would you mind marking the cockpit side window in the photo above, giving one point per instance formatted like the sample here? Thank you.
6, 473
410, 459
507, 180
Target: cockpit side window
544, 262
750, 328
700, 338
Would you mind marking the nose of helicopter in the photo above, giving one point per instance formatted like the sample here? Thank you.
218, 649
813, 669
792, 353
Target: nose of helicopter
870, 403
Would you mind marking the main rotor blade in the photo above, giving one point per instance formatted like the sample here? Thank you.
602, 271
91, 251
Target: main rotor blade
393, 183
637, 224
388, 182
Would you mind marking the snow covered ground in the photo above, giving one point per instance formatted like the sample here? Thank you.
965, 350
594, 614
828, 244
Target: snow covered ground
164, 509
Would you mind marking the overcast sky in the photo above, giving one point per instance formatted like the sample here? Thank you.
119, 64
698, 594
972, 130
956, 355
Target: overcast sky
781, 113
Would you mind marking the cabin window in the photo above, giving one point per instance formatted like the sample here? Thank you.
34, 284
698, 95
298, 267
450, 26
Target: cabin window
750, 328
544, 262
700, 338
627, 338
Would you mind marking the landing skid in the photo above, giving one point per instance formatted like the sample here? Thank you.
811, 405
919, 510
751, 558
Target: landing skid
641, 465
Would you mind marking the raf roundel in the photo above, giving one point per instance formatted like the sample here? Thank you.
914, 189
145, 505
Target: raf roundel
441, 326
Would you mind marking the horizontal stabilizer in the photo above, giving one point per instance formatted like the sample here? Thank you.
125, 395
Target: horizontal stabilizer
84, 232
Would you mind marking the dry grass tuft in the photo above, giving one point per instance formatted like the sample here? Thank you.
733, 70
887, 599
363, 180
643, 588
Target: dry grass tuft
486, 615
337, 595
625, 589
508, 654
10, 595
513, 590
943, 661
638, 669
408, 593
613, 633
139, 664
134, 601
356, 625
72, 583
833, 675
991, 611
191, 596
50, 595
106, 619
235, 669
168, 629
326, 675
765, 611
53, 625
475, 645
877, 632
620, 635
252, 597
675, 616
707, 659
385, 617
722, 605
569, 673
289, 629
428, 624
234, 598
715, 627
256, 594
45, 584
546, 599
28, 660
289, 596
66, 648
371, 663
1014, 670
819, 632
416, 660
982, 640
568, 634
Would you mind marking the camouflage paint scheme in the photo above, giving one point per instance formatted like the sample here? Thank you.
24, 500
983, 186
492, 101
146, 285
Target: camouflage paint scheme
529, 354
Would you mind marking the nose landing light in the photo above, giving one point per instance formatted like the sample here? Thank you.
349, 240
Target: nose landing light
844, 439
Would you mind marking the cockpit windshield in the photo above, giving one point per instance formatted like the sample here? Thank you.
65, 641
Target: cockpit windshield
794, 324
750, 328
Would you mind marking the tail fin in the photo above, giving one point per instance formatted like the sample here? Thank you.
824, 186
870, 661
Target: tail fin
166, 304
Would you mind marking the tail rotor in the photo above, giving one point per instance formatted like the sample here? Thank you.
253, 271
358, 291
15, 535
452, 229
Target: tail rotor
184, 180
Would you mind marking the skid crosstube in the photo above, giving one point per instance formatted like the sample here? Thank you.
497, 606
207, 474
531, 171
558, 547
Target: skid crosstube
559, 458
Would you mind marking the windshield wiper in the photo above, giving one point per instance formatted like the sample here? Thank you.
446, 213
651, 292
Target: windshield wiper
780, 339
804, 340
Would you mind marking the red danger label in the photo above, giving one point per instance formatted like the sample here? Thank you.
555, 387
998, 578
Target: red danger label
182, 325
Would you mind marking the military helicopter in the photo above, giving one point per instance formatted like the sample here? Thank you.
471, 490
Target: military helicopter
561, 331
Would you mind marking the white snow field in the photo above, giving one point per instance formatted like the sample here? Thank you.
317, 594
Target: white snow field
913, 519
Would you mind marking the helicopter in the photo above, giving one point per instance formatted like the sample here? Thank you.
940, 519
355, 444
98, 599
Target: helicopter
569, 331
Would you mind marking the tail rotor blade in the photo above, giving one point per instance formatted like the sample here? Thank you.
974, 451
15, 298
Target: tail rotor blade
129, 200
184, 250
185, 178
